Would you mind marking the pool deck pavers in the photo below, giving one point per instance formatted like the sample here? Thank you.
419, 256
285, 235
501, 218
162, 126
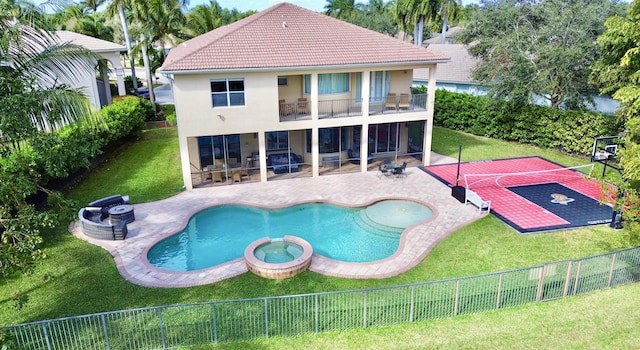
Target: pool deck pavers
158, 220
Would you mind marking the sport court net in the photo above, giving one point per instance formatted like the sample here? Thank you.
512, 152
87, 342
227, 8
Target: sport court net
564, 176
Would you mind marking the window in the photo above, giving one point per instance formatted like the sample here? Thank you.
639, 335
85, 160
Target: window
282, 81
330, 140
227, 92
332, 83
277, 140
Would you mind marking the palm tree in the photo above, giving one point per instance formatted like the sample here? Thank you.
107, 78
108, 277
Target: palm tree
118, 6
204, 18
158, 21
415, 13
342, 9
449, 11
32, 100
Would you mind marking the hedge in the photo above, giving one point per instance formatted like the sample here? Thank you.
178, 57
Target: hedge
568, 131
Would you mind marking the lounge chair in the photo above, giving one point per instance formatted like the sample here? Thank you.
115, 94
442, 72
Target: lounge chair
391, 101
405, 101
303, 106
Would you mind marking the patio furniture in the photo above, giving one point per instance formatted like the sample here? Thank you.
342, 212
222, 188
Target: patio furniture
236, 176
405, 101
399, 171
285, 109
384, 171
282, 163
391, 101
303, 106
122, 212
93, 227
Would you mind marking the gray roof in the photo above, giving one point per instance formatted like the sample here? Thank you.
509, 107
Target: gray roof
94, 44
458, 70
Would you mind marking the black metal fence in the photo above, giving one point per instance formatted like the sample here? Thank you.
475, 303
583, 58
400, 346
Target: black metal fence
226, 321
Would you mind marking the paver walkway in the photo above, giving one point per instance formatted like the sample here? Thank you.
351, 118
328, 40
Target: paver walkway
158, 220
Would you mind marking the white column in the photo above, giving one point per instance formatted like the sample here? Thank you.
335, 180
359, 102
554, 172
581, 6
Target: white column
120, 79
262, 146
364, 133
428, 126
315, 155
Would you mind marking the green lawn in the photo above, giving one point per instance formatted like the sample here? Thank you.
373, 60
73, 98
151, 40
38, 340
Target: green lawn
79, 278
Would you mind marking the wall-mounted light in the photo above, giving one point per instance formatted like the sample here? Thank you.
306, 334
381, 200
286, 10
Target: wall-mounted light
221, 117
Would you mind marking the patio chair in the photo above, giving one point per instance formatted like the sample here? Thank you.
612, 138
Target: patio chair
405, 101
303, 106
400, 171
384, 171
285, 109
391, 101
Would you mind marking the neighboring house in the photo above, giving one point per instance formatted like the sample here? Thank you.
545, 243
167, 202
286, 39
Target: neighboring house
449, 37
289, 88
96, 88
454, 76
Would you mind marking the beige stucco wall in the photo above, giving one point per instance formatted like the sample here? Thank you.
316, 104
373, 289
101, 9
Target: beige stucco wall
260, 114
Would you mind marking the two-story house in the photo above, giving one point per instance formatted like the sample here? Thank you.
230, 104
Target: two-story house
290, 92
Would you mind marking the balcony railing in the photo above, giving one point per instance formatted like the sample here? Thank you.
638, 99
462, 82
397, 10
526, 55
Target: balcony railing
404, 103
339, 108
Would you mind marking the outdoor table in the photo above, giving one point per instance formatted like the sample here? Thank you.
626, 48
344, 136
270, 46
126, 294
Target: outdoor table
121, 212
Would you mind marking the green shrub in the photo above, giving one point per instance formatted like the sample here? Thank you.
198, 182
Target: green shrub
125, 116
172, 119
567, 131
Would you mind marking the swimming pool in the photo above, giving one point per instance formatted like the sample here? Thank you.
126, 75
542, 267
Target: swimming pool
220, 234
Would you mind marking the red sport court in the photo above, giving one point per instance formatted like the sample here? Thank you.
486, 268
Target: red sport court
549, 197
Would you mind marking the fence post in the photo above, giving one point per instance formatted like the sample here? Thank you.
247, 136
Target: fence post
317, 311
575, 285
164, 340
499, 291
266, 318
567, 280
215, 324
613, 263
46, 335
455, 302
412, 306
540, 284
364, 316
106, 333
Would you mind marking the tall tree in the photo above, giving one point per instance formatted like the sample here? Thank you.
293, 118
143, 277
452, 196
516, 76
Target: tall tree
33, 104
531, 48
342, 9
158, 21
416, 13
618, 73
449, 11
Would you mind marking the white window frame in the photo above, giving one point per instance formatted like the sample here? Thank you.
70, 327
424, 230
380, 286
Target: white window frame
228, 93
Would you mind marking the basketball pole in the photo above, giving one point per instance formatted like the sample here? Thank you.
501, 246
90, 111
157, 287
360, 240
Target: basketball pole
458, 173
459, 192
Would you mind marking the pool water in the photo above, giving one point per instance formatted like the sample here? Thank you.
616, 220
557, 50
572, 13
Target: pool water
278, 251
220, 234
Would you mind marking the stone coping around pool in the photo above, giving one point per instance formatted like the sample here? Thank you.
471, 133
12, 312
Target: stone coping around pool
158, 220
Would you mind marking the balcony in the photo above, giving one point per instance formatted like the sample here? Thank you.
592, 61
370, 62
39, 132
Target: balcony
345, 108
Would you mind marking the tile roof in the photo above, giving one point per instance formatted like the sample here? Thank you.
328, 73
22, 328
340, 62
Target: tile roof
457, 71
91, 43
286, 35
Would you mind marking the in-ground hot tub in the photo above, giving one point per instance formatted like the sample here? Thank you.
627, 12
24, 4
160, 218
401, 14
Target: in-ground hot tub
278, 258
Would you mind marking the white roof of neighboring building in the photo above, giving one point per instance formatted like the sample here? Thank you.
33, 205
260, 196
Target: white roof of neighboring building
94, 44
458, 70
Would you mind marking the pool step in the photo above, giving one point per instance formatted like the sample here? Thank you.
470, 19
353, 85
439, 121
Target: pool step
363, 220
